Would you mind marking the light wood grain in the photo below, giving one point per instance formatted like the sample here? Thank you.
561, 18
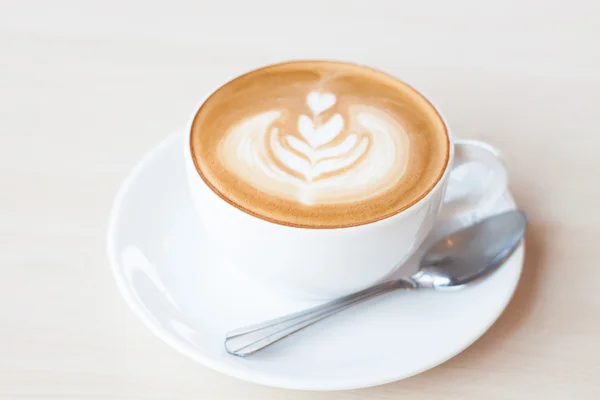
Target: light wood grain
86, 88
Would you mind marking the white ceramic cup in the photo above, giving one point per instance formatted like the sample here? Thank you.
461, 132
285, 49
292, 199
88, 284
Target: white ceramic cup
325, 263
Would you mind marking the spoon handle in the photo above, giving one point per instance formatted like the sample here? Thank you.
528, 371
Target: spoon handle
253, 338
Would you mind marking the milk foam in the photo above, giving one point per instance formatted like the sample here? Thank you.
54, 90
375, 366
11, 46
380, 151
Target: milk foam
331, 155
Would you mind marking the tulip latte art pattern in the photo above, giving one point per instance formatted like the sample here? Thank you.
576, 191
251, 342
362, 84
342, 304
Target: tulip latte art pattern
348, 156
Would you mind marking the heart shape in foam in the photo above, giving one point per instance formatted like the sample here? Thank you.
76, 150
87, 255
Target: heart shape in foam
319, 102
323, 134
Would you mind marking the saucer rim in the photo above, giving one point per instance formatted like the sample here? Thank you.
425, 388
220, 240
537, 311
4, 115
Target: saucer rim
251, 375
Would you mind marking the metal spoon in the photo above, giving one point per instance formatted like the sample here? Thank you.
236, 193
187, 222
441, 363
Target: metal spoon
458, 260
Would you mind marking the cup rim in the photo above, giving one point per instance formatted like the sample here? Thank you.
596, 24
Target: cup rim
401, 211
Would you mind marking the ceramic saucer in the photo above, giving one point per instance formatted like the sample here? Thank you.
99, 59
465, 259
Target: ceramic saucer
189, 296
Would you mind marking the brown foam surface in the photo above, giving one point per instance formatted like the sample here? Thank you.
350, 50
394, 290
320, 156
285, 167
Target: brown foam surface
388, 151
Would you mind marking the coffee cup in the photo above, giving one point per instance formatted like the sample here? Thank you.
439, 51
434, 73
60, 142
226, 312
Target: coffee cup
321, 178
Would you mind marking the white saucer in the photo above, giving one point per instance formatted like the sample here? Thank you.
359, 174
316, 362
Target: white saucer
189, 297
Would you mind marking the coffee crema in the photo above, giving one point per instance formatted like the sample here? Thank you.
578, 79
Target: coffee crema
319, 144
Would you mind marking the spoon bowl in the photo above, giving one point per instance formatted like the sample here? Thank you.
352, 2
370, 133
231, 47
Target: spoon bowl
471, 253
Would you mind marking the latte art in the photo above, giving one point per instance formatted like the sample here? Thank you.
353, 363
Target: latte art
341, 158
314, 154
318, 144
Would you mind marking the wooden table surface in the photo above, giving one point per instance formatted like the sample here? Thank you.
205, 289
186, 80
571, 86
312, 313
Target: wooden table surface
86, 88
